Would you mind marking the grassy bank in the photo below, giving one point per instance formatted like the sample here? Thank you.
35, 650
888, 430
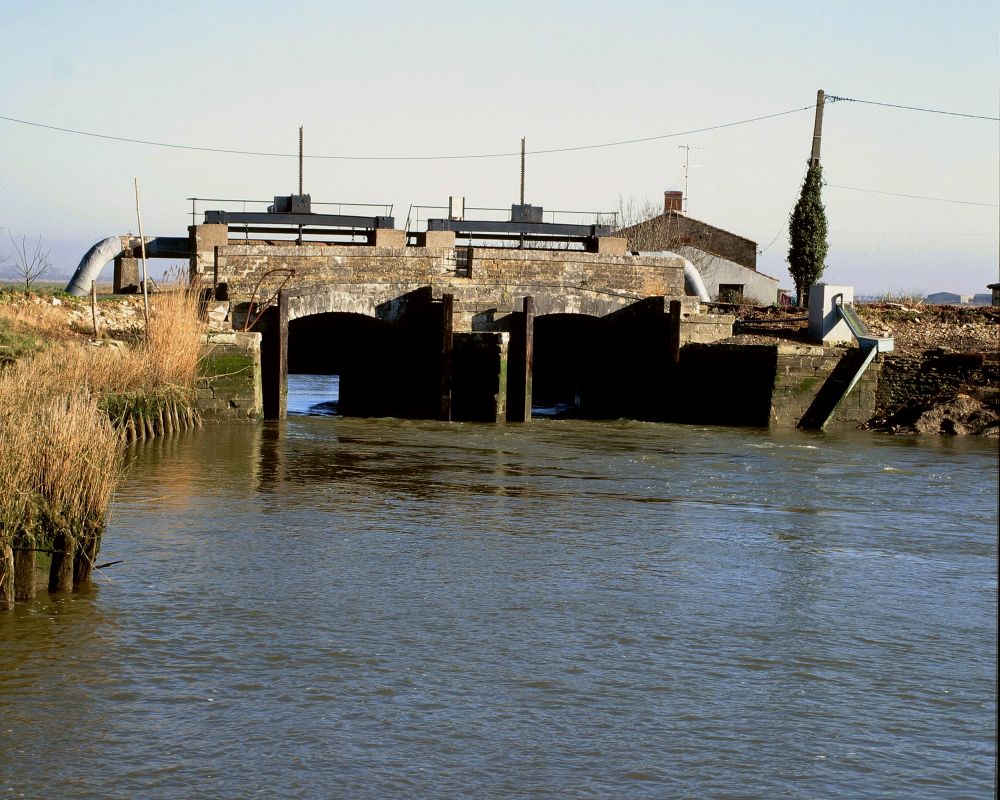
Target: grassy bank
67, 406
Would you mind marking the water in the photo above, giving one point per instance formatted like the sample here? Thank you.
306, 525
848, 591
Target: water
329, 607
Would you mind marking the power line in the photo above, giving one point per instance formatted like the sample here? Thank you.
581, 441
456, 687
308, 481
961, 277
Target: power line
914, 196
782, 228
911, 108
403, 158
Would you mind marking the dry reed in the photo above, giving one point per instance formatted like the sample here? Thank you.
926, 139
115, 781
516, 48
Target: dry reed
65, 413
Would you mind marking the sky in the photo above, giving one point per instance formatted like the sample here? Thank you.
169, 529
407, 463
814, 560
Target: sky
385, 80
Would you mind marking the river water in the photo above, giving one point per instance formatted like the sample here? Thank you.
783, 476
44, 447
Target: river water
331, 607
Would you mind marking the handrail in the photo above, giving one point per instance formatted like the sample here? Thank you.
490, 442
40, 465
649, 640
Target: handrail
386, 207
882, 344
870, 345
247, 324
413, 214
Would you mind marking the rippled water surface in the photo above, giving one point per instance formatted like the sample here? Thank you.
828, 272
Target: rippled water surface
328, 607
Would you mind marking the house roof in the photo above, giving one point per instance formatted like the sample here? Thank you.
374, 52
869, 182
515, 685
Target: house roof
679, 215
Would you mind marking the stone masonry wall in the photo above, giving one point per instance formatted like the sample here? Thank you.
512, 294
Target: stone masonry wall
766, 385
800, 373
229, 386
490, 283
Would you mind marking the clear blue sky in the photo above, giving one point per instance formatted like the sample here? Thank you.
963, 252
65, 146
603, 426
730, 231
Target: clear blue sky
446, 78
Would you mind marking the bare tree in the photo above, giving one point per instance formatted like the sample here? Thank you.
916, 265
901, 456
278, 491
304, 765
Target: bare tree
642, 223
649, 229
29, 264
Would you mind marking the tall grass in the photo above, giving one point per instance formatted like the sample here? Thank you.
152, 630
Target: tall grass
63, 413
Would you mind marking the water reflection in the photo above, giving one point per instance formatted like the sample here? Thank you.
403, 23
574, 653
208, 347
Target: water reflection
373, 608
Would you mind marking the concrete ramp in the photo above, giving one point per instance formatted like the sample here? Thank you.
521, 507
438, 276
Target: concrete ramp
850, 370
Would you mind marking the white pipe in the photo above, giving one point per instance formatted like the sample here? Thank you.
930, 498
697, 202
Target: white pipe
693, 284
93, 261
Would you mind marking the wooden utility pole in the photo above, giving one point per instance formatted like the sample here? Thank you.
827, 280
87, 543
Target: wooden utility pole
142, 250
817, 128
93, 308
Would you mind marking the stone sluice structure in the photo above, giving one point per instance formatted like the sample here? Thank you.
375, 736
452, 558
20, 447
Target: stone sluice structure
434, 330
459, 333
419, 326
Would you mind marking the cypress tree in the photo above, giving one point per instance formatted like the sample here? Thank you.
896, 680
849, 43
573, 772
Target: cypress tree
807, 235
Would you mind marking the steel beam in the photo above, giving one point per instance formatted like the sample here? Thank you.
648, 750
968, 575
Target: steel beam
270, 218
464, 226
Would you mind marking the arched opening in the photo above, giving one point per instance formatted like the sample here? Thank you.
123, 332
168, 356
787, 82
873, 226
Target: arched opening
333, 362
366, 367
566, 366
603, 368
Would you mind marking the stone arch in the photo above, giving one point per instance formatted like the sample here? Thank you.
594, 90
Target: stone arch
382, 301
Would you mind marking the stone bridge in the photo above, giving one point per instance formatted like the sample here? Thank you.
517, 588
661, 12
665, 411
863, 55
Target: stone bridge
473, 333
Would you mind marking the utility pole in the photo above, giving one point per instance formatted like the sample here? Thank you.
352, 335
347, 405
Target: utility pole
520, 240
817, 128
300, 160
522, 170
687, 171
299, 239
142, 250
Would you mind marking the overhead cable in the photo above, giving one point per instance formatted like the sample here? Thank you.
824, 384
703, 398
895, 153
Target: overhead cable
403, 158
914, 196
833, 97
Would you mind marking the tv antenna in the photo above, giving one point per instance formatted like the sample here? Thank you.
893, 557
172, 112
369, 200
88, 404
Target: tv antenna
687, 148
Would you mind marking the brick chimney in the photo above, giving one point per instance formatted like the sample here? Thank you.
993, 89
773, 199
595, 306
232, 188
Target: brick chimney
673, 201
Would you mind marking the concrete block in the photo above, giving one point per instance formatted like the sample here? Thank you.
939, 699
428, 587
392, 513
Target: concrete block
611, 246
387, 237
825, 324
204, 240
706, 328
437, 239
126, 277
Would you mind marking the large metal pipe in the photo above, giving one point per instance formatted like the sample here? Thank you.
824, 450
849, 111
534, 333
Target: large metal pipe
693, 283
93, 261
106, 250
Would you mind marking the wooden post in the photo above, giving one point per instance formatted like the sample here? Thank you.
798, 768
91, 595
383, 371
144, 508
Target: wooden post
24, 568
93, 308
447, 354
63, 555
273, 326
519, 362
674, 333
6, 577
142, 248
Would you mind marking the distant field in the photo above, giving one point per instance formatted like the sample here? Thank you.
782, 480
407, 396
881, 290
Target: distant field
48, 287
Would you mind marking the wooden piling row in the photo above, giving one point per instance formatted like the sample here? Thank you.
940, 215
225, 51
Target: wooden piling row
168, 418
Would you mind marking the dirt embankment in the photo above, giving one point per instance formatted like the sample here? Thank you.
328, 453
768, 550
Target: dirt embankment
942, 377
58, 316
